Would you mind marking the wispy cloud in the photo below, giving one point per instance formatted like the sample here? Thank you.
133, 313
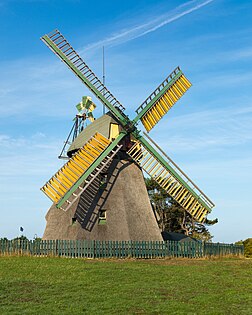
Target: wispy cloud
152, 25
222, 59
26, 156
26, 87
238, 54
219, 129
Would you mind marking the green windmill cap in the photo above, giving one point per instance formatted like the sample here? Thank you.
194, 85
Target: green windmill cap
101, 125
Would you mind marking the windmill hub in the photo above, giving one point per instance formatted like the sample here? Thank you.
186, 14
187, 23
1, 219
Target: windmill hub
130, 127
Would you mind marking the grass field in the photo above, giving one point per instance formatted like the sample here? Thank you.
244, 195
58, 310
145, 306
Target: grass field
33, 285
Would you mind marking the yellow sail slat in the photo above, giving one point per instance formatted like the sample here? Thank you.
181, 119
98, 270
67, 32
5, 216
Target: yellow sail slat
168, 100
177, 90
74, 168
96, 145
57, 186
186, 82
51, 194
65, 181
173, 90
80, 161
102, 139
86, 156
181, 86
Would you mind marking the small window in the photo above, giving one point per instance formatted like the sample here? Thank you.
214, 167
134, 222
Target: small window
74, 221
102, 216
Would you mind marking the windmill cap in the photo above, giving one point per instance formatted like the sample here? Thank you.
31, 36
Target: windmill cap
101, 125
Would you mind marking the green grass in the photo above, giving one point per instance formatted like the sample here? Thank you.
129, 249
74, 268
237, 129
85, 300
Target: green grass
33, 285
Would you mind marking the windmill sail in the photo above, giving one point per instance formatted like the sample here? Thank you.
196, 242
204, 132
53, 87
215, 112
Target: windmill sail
62, 48
167, 174
66, 185
162, 99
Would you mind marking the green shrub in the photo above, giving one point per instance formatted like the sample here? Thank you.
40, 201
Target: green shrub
248, 247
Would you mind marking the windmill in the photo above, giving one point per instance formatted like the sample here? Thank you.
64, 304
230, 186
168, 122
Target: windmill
101, 187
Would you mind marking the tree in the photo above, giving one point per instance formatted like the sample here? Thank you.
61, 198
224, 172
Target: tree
248, 247
21, 238
171, 217
3, 239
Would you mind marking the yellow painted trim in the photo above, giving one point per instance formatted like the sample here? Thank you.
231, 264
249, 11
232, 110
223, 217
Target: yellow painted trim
113, 131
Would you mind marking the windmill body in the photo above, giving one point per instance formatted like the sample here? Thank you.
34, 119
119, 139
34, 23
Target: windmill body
115, 211
100, 192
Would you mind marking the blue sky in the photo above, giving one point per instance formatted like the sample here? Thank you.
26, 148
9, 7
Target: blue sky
208, 132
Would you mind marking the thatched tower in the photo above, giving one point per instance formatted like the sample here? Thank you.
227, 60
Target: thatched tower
119, 209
